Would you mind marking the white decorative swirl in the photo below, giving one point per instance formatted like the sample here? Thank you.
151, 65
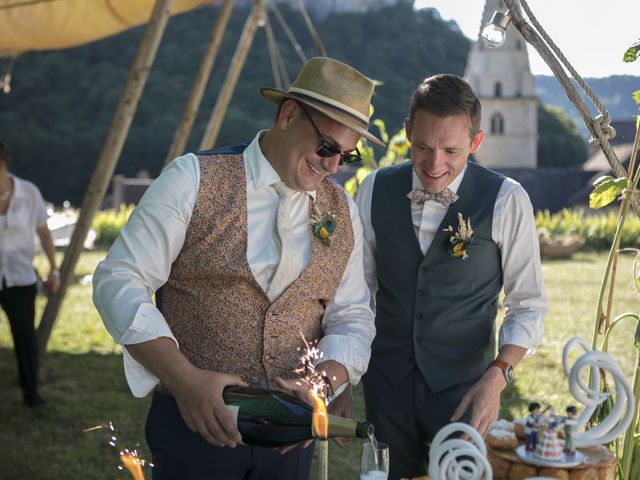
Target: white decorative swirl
457, 459
619, 418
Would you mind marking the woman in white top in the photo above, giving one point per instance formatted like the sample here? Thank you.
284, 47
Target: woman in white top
22, 215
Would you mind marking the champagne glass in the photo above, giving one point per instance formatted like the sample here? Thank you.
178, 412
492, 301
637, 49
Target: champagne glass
374, 463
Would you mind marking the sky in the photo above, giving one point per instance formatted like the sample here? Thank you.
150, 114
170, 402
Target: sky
592, 34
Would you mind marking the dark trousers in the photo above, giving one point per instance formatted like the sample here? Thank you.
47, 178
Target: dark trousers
180, 454
19, 303
408, 416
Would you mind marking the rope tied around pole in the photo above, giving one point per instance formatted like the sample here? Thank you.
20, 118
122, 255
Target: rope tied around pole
602, 125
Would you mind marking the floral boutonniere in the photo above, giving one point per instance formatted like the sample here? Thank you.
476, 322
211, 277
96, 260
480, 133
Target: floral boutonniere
322, 225
460, 239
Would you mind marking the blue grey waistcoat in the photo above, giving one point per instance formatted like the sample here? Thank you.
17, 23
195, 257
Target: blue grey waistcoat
435, 311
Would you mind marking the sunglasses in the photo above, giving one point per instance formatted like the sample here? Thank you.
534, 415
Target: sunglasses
326, 150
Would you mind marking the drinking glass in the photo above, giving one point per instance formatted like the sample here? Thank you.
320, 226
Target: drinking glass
374, 463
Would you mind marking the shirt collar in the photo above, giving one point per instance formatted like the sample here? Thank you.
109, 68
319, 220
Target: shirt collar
453, 186
18, 187
260, 170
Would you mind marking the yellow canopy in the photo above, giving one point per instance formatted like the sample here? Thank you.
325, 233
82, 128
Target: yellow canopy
56, 24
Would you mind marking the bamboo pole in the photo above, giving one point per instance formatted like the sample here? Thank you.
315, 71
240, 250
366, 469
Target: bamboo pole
230, 81
107, 161
202, 78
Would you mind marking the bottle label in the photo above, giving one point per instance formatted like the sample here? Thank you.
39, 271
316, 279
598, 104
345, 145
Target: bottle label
234, 409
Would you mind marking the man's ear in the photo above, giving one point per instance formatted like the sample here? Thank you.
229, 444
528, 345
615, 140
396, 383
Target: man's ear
288, 111
477, 140
407, 128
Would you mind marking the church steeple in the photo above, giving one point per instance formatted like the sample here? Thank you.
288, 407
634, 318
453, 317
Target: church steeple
502, 79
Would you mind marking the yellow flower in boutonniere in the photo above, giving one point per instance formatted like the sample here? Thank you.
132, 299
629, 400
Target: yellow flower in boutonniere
460, 239
322, 225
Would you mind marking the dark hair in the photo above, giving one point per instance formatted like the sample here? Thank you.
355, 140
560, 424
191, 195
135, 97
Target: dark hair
571, 409
534, 406
444, 95
4, 155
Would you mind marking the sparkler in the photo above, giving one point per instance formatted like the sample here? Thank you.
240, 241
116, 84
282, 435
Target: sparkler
129, 458
314, 380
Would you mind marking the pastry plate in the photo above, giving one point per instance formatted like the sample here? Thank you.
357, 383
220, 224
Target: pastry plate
567, 461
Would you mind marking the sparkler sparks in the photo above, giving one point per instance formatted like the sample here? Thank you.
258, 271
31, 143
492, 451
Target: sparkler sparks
129, 458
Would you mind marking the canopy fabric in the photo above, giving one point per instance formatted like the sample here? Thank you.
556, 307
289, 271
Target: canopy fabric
57, 24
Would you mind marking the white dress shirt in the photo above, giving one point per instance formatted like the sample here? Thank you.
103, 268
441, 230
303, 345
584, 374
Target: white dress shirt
513, 230
25, 214
139, 262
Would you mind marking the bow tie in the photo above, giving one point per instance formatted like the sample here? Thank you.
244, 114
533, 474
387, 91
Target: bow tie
446, 197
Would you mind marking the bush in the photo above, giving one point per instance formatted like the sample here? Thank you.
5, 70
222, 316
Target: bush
597, 230
108, 223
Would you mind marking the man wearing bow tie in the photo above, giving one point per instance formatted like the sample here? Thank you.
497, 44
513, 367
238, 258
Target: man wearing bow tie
442, 237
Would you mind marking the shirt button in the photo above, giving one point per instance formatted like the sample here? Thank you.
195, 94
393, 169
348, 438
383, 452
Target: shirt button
410, 359
418, 316
423, 269
418, 338
420, 292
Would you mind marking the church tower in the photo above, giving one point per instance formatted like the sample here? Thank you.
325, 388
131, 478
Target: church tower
502, 79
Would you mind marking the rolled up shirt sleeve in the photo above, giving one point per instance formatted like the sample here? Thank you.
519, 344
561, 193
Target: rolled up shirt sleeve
525, 298
139, 262
348, 324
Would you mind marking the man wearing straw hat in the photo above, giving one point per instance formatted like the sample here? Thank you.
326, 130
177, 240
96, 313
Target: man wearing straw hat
442, 236
252, 245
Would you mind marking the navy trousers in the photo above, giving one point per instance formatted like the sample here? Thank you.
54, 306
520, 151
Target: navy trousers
407, 417
19, 305
180, 454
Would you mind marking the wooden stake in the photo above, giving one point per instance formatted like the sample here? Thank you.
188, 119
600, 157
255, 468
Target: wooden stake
202, 78
107, 161
229, 84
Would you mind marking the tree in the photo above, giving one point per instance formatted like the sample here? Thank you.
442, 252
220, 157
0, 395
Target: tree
559, 142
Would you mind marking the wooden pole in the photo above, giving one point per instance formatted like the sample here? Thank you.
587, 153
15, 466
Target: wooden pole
202, 78
107, 161
312, 29
229, 85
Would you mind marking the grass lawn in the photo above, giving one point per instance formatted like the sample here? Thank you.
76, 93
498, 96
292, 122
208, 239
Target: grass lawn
84, 382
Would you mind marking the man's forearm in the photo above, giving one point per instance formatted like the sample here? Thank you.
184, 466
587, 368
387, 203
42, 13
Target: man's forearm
162, 357
511, 354
47, 245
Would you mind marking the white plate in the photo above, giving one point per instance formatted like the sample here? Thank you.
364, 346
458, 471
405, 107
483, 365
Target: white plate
566, 461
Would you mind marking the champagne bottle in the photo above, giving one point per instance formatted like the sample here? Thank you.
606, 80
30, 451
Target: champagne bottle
269, 418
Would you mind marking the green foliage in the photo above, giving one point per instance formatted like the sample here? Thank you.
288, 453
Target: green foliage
398, 150
632, 53
108, 223
597, 231
559, 141
606, 190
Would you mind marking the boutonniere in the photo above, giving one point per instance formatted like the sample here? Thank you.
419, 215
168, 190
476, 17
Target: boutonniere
322, 225
460, 239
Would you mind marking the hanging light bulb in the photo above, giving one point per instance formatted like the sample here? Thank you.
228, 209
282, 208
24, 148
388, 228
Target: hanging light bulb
495, 32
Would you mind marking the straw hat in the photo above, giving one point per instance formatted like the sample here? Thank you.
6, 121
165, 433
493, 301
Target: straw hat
333, 88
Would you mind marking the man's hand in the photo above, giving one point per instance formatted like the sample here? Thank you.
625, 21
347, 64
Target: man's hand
199, 398
53, 281
484, 399
342, 406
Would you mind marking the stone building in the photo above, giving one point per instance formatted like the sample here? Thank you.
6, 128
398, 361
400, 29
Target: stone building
502, 79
